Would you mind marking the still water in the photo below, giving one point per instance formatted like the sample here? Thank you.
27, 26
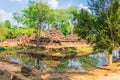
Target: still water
82, 64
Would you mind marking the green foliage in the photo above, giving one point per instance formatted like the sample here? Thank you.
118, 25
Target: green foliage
63, 66
14, 32
11, 48
65, 28
88, 62
3, 33
84, 26
100, 28
18, 17
21, 31
38, 13
7, 24
35, 14
61, 20
2, 49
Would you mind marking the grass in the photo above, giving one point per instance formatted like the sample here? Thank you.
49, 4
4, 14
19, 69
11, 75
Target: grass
12, 48
77, 50
2, 49
84, 50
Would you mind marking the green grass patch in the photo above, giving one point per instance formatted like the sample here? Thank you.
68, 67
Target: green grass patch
2, 49
84, 50
12, 48
77, 50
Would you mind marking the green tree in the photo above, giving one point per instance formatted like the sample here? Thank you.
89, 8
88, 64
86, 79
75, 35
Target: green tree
18, 17
62, 20
101, 26
84, 25
65, 29
7, 24
35, 15
3, 33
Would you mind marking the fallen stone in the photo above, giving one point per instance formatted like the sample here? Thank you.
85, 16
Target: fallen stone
15, 78
7, 75
26, 70
18, 77
1, 72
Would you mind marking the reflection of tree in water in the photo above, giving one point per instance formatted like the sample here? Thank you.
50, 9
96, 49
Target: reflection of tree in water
88, 62
61, 67
73, 64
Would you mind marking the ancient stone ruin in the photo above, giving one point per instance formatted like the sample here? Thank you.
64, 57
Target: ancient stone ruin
51, 37
55, 37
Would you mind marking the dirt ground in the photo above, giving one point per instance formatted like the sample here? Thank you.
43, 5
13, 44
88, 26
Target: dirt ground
110, 72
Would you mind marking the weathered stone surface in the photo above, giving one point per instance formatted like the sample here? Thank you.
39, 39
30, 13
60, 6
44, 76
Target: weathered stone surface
1, 72
6, 75
26, 70
10, 71
15, 78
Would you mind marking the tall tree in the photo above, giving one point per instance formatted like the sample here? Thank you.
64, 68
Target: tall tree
35, 15
3, 33
8, 25
18, 17
101, 27
62, 20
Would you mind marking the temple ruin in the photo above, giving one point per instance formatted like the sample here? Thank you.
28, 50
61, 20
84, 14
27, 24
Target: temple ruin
52, 37
56, 37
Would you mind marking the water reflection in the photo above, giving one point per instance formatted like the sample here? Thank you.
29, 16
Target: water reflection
73, 64
82, 64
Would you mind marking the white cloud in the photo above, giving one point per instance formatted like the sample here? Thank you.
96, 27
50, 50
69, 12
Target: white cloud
4, 15
17, 0
84, 7
53, 3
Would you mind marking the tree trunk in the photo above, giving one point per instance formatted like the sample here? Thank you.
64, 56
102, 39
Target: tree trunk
38, 35
119, 53
37, 43
110, 57
9, 35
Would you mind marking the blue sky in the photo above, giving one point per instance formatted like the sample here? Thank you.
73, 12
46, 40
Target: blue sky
13, 5
67, 3
7, 7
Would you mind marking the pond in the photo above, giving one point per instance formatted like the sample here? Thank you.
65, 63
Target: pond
81, 64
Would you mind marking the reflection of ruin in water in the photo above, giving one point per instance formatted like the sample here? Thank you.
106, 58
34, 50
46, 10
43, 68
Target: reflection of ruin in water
80, 64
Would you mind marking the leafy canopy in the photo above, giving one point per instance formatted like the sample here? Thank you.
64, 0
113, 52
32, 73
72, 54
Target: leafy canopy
101, 27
